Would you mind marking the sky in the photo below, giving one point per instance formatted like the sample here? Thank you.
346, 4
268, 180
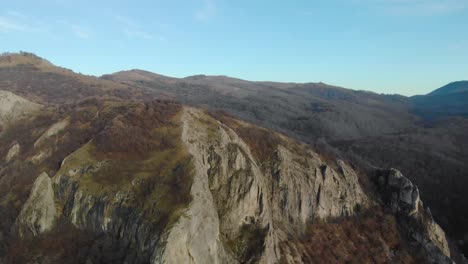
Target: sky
387, 46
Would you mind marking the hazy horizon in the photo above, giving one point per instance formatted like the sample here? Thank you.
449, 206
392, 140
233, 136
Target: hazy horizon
386, 46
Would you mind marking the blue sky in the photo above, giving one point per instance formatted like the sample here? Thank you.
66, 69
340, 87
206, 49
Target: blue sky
387, 46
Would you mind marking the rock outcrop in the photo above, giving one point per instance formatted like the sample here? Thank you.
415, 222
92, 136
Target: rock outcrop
13, 108
39, 213
12, 152
52, 131
196, 238
207, 190
237, 193
402, 198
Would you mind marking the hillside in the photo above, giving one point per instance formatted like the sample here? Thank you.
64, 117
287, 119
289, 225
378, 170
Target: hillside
368, 128
306, 111
113, 172
38, 80
449, 100
139, 183
454, 87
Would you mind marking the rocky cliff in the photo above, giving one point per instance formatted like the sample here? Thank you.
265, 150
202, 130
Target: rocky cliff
103, 181
402, 198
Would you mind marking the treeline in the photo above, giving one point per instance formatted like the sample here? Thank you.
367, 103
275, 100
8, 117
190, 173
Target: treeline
23, 53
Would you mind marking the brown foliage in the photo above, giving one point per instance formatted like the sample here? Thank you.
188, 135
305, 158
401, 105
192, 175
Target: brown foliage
131, 129
372, 237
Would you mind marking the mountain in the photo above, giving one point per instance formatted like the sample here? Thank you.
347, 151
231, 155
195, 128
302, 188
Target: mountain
307, 111
38, 80
370, 129
451, 88
449, 100
117, 173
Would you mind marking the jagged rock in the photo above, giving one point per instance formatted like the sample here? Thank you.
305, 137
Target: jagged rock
402, 198
39, 213
196, 237
338, 194
402, 195
109, 215
233, 193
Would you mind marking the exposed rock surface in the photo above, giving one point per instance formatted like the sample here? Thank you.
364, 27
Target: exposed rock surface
12, 152
39, 213
13, 107
52, 131
196, 237
235, 193
139, 180
209, 191
402, 198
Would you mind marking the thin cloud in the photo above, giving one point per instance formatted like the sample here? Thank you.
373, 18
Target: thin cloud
126, 22
17, 15
458, 46
8, 25
306, 12
80, 31
207, 11
135, 33
133, 29
416, 7
16, 22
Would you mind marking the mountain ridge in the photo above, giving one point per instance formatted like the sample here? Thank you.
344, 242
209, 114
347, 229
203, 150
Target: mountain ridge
345, 122
111, 114
22, 57
453, 87
241, 184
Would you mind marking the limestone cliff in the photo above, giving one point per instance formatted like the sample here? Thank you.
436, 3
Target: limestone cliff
162, 183
243, 195
402, 198
38, 214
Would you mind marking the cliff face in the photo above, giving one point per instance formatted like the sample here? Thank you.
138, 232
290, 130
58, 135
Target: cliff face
160, 183
402, 198
38, 214
253, 204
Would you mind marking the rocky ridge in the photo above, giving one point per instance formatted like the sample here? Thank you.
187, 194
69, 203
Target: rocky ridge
136, 180
246, 199
402, 198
